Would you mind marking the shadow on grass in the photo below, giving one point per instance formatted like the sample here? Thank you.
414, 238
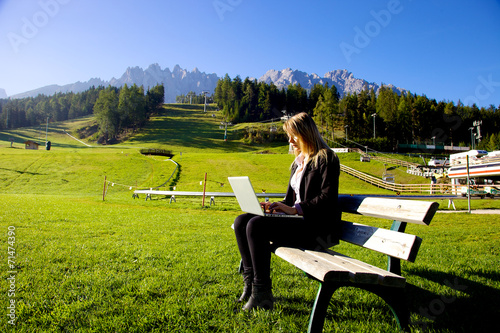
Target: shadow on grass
24, 172
348, 304
470, 307
196, 107
467, 306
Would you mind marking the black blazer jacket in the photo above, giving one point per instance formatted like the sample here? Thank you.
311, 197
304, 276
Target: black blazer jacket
319, 189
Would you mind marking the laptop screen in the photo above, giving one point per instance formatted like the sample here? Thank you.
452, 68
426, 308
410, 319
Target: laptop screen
245, 194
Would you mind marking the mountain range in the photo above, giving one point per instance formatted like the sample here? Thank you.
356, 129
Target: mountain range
180, 81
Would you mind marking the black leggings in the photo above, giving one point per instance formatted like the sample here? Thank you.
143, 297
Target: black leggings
253, 234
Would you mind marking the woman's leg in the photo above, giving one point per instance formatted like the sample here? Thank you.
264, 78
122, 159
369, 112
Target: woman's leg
279, 230
240, 231
240, 225
253, 235
260, 232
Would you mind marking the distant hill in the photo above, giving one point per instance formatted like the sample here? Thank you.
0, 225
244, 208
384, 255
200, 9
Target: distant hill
180, 81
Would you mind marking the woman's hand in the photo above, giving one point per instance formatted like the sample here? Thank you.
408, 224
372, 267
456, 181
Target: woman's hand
281, 207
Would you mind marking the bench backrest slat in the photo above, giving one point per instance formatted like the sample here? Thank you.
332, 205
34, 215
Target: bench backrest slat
412, 211
393, 243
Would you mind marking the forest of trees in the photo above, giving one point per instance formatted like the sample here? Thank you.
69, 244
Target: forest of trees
32, 111
116, 109
397, 119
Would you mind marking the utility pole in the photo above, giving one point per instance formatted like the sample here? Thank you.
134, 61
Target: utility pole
223, 125
477, 124
374, 115
46, 129
205, 105
471, 129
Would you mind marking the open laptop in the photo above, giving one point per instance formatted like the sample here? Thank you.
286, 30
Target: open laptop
248, 201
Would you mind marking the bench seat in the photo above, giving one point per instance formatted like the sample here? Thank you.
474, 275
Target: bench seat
331, 266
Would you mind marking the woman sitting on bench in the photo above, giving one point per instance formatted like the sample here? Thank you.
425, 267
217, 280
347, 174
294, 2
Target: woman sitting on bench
312, 192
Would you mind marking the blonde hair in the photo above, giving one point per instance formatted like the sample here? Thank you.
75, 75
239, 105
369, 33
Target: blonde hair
303, 127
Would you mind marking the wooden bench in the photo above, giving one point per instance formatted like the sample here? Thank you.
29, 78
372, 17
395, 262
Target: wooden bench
334, 270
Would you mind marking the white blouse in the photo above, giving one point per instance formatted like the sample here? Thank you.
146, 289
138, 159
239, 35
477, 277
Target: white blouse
297, 177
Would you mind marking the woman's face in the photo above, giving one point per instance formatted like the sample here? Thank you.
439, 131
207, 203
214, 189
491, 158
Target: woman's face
295, 141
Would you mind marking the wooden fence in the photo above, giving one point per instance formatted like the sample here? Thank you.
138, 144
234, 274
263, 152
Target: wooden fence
403, 188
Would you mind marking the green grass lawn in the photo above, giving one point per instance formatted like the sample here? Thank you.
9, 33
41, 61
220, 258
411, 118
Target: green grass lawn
133, 266
82, 264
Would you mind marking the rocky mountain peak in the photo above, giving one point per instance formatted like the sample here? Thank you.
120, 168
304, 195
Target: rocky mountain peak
341, 78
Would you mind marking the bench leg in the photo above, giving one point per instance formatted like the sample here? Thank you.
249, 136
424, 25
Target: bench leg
394, 264
318, 314
396, 299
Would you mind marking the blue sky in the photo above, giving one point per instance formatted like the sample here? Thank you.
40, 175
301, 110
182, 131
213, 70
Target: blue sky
447, 50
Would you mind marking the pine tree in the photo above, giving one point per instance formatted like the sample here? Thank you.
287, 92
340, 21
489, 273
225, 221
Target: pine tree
326, 112
155, 98
124, 107
493, 143
138, 106
404, 120
106, 113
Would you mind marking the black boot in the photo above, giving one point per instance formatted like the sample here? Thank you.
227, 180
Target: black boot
247, 288
262, 298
